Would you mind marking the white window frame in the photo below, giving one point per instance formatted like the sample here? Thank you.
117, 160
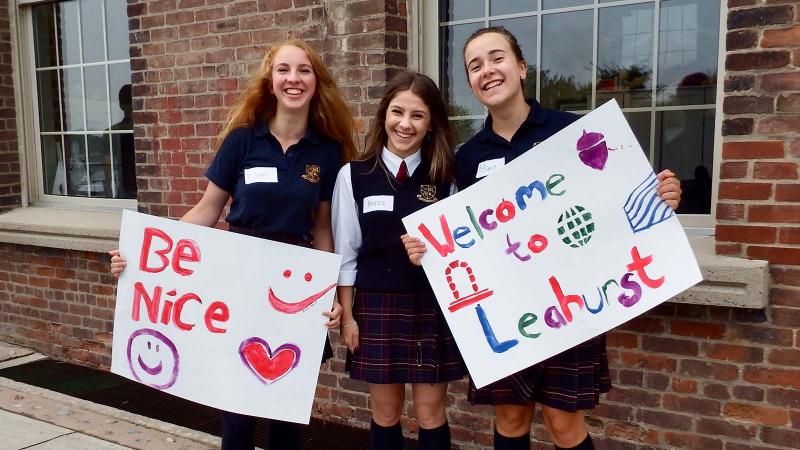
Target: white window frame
424, 47
32, 177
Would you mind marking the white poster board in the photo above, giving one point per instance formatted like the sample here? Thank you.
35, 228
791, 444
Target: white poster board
230, 321
564, 243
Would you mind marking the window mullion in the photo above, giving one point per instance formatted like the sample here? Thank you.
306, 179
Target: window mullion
654, 81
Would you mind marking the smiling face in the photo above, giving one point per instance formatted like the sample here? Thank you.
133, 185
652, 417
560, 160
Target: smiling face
293, 78
153, 358
408, 120
295, 306
494, 71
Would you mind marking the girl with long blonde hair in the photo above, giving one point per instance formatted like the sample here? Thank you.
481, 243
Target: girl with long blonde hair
282, 145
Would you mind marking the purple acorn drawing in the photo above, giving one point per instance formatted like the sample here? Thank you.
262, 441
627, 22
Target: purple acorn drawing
592, 150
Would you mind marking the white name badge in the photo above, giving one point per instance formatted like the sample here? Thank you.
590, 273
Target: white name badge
261, 175
488, 167
378, 203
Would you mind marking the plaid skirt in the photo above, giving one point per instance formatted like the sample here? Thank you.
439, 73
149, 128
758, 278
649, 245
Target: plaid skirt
570, 381
403, 338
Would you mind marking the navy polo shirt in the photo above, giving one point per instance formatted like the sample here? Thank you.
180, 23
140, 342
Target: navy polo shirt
272, 191
487, 145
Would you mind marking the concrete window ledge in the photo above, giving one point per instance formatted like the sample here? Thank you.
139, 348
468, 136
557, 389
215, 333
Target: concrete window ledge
94, 231
727, 281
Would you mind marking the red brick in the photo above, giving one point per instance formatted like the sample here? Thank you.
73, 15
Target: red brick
779, 82
737, 127
684, 386
730, 170
775, 170
697, 329
789, 103
741, 39
729, 190
784, 357
704, 369
716, 427
752, 150
775, 255
669, 345
755, 413
753, 17
649, 361
730, 211
631, 432
787, 192
772, 376
734, 353
777, 124
781, 437
757, 60
774, 214
782, 37
691, 441
747, 234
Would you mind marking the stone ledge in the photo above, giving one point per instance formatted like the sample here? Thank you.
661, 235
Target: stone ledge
727, 281
94, 231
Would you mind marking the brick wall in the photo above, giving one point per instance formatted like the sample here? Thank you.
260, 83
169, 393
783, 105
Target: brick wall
685, 376
60, 302
9, 157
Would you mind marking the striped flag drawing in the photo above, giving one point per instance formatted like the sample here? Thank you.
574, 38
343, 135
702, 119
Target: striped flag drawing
644, 208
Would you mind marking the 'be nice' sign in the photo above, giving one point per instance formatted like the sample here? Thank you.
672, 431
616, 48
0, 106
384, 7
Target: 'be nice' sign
564, 243
230, 321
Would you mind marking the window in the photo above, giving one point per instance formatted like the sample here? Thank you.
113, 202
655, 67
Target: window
80, 76
658, 58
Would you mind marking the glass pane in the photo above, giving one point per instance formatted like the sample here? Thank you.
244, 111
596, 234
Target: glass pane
460, 9
55, 182
77, 175
117, 29
524, 29
73, 99
92, 30
120, 90
625, 54
49, 104
685, 145
687, 52
69, 34
44, 36
465, 129
640, 124
566, 76
96, 98
124, 165
99, 165
551, 4
455, 87
497, 7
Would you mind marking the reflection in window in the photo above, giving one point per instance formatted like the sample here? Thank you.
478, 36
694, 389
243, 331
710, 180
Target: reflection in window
672, 116
84, 109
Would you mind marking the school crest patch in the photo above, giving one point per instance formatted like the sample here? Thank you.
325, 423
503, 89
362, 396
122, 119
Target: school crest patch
312, 173
427, 193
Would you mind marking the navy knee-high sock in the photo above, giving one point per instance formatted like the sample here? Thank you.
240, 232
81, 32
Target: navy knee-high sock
283, 435
237, 431
511, 443
435, 438
385, 438
586, 444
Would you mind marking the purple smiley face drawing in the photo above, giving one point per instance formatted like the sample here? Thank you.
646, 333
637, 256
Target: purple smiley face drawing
153, 358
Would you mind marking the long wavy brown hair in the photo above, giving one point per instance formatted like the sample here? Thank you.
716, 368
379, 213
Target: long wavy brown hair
437, 146
328, 114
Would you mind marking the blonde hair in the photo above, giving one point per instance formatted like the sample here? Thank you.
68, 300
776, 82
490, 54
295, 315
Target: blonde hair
328, 113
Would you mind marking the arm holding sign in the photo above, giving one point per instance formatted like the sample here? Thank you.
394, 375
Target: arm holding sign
347, 235
323, 240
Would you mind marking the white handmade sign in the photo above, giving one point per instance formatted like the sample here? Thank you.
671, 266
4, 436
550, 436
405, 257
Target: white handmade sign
230, 321
564, 243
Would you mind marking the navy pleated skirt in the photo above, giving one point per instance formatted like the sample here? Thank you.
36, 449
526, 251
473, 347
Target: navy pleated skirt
403, 338
570, 381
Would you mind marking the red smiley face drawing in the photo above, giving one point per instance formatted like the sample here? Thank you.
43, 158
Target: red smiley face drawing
294, 307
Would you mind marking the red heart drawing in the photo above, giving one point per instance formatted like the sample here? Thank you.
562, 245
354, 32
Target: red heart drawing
267, 365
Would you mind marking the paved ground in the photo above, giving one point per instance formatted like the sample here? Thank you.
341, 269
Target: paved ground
40, 419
